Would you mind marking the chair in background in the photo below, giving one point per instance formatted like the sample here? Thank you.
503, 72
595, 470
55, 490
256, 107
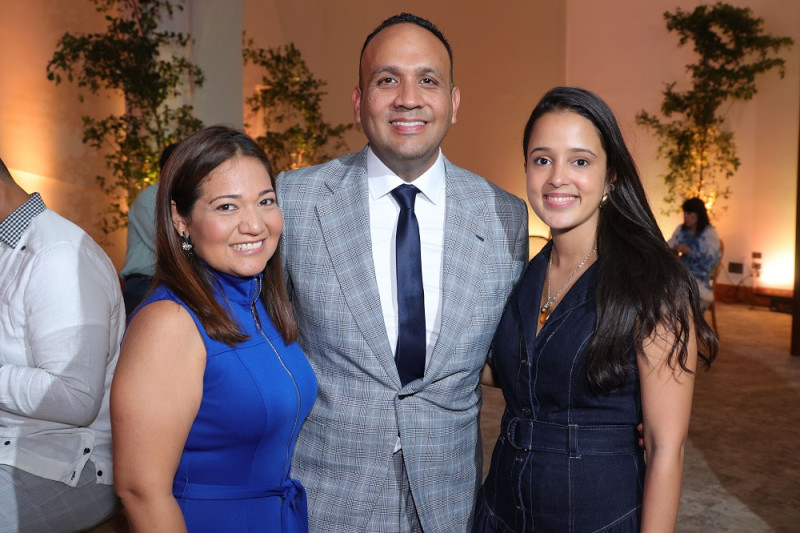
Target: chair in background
714, 273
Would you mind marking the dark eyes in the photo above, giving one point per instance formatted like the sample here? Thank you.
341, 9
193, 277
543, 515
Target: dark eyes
580, 162
233, 207
391, 80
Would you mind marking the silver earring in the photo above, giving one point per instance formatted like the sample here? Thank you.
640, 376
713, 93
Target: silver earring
186, 243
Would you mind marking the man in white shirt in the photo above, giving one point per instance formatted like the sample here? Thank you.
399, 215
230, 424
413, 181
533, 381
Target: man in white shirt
392, 443
61, 322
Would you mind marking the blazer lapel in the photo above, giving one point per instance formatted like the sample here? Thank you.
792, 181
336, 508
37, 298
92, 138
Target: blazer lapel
344, 219
464, 258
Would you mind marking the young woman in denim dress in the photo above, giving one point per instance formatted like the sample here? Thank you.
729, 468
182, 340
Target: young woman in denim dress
600, 335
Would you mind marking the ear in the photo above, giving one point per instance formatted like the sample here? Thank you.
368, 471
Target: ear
455, 96
180, 224
356, 98
610, 179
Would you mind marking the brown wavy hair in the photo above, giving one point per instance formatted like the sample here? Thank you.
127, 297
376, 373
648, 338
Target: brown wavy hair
186, 274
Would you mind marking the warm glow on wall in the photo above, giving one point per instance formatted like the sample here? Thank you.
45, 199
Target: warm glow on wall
777, 270
33, 182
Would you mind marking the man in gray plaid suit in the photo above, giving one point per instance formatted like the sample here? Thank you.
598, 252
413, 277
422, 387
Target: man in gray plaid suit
377, 454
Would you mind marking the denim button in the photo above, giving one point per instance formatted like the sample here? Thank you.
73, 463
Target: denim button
526, 411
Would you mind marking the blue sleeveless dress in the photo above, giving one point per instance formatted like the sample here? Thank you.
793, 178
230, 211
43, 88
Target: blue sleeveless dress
234, 472
567, 458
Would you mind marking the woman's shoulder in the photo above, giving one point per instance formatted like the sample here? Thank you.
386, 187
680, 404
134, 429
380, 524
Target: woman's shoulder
163, 308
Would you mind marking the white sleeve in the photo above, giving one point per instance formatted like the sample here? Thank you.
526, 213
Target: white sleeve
69, 302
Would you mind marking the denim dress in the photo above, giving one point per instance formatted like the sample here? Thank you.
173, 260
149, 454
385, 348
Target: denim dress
567, 459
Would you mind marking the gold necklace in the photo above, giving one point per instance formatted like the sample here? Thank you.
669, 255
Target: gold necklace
547, 308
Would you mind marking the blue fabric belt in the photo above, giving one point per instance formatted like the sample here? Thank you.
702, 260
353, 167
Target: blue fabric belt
531, 435
294, 507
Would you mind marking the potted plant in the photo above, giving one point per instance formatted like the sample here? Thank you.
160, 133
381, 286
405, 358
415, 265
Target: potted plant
141, 62
732, 49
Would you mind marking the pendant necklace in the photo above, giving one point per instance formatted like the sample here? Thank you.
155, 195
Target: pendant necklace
547, 308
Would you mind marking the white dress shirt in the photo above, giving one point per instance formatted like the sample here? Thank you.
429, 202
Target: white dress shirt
384, 212
61, 323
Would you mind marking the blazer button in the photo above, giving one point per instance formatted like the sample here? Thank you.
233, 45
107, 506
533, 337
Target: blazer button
86, 450
526, 412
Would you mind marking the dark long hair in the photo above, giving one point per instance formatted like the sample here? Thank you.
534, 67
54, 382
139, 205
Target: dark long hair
187, 275
696, 206
641, 285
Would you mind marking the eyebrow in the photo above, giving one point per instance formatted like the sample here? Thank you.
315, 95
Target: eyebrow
237, 196
419, 71
571, 150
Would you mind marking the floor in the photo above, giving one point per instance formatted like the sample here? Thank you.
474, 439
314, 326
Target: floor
742, 464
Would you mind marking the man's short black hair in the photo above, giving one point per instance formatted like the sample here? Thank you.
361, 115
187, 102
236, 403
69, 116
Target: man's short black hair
410, 18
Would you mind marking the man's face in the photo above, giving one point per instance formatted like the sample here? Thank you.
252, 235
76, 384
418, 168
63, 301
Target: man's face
406, 100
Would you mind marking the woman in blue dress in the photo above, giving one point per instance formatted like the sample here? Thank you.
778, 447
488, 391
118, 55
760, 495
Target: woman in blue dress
600, 335
697, 244
211, 389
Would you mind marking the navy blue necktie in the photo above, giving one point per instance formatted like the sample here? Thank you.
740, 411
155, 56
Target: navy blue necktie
410, 353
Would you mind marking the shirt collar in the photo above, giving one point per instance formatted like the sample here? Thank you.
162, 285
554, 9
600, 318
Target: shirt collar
15, 224
382, 180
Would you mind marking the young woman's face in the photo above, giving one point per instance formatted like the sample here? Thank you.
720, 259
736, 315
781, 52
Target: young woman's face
566, 172
690, 220
235, 224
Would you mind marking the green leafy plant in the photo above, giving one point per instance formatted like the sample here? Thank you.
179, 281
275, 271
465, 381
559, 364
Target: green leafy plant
288, 107
140, 61
732, 50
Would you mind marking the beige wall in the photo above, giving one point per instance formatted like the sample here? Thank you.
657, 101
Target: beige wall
507, 54
40, 125
627, 59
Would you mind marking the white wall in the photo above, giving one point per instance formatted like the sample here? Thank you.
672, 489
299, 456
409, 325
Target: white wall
622, 50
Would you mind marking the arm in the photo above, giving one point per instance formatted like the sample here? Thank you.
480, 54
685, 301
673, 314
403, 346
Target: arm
666, 408
69, 318
488, 376
142, 215
155, 397
674, 243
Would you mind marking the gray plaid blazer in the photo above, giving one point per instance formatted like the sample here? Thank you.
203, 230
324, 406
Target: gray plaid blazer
344, 450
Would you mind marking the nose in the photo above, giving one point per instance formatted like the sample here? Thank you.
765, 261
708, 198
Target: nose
408, 95
557, 175
251, 222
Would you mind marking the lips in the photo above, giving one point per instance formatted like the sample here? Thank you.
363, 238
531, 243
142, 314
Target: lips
407, 123
248, 246
560, 199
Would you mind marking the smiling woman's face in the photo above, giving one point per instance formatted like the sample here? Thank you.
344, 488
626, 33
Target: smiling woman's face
566, 172
235, 224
